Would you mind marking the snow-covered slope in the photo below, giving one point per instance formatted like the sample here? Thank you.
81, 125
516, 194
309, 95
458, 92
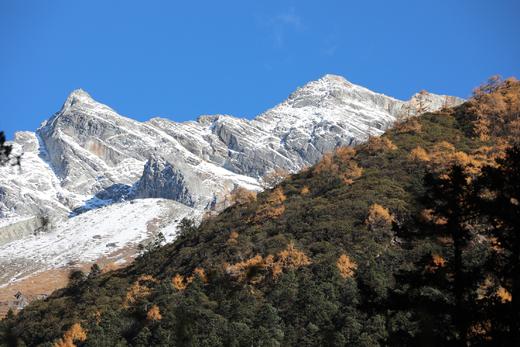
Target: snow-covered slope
87, 156
111, 232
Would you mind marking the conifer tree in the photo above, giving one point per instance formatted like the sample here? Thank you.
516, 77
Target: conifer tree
499, 193
441, 285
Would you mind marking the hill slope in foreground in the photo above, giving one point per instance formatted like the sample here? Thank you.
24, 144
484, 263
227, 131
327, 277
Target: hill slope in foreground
318, 260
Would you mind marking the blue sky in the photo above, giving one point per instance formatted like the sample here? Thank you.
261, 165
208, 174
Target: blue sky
181, 59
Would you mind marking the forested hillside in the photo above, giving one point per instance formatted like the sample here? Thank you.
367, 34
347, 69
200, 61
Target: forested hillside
409, 239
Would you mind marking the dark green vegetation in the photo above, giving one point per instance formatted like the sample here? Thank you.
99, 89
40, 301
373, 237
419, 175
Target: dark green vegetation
359, 250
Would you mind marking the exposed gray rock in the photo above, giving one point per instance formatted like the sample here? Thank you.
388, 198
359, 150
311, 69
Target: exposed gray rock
161, 180
22, 228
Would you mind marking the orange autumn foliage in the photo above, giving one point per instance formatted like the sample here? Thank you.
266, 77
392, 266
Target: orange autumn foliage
444, 154
481, 329
378, 217
340, 163
305, 190
242, 270
504, 295
200, 273
140, 289
273, 207
346, 266
496, 107
178, 282
292, 258
153, 314
378, 144
233, 238
275, 266
428, 216
75, 333
437, 261
411, 125
419, 154
251, 270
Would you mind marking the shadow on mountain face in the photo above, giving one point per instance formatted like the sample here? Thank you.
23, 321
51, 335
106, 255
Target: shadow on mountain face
115, 193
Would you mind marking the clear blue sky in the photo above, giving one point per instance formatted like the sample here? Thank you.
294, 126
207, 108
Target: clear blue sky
180, 59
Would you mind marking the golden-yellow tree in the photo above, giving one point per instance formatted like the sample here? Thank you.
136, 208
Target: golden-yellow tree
74, 334
346, 266
419, 154
496, 107
443, 155
292, 258
378, 144
273, 207
154, 314
233, 238
178, 282
198, 272
504, 295
437, 261
378, 217
140, 289
253, 270
340, 163
409, 126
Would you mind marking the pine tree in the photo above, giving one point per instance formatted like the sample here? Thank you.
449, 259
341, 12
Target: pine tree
441, 286
449, 199
499, 193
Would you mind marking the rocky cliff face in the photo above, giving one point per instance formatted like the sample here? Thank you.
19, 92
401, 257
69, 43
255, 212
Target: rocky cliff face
87, 156
161, 180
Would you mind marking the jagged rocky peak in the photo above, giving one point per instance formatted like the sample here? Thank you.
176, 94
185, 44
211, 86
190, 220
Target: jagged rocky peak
208, 119
332, 90
87, 143
161, 179
77, 97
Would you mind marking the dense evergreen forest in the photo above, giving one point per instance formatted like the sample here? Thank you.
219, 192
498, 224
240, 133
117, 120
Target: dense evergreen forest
411, 239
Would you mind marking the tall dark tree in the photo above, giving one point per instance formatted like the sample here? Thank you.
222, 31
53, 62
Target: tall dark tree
449, 197
441, 284
499, 192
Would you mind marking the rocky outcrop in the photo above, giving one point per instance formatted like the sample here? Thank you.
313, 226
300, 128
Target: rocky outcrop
22, 228
161, 180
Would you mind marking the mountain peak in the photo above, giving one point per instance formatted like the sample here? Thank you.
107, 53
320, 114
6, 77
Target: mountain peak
77, 96
334, 78
330, 81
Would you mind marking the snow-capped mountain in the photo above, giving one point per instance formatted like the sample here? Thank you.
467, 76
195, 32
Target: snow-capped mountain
86, 157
